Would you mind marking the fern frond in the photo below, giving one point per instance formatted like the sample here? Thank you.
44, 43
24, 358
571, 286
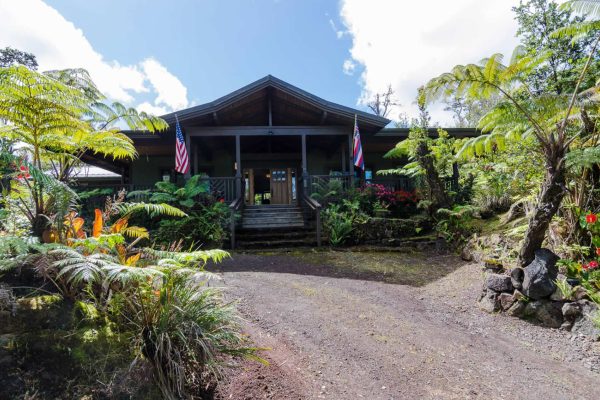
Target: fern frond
153, 210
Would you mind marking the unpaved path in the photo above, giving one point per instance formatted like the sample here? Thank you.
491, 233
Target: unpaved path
340, 338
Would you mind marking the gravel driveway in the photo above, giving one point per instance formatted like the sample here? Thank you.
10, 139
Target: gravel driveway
345, 338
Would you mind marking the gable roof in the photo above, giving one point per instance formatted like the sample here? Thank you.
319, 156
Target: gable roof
296, 100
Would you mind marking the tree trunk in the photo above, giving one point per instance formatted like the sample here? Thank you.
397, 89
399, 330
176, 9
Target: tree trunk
549, 200
439, 196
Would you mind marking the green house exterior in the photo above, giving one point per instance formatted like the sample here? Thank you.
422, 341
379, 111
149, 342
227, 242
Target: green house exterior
261, 135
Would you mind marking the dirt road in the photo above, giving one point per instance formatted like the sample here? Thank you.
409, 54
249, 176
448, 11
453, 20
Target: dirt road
345, 338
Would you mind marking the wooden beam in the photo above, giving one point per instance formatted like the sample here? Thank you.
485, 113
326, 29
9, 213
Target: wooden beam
238, 164
270, 108
268, 131
216, 118
324, 117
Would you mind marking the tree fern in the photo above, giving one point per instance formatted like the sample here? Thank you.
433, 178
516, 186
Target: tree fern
77, 268
154, 210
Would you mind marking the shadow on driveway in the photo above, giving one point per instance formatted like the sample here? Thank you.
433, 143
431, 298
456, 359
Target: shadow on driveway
414, 268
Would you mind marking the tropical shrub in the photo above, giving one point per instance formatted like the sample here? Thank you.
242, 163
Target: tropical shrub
206, 225
456, 225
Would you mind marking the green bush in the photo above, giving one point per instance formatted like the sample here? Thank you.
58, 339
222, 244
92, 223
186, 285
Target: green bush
206, 225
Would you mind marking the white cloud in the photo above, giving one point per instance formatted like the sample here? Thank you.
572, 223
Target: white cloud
152, 109
34, 26
339, 33
171, 91
349, 67
405, 43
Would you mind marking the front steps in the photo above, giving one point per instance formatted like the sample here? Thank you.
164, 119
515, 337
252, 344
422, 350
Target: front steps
274, 226
272, 216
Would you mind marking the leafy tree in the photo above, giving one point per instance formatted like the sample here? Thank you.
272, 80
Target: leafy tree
523, 112
10, 56
538, 20
419, 148
59, 118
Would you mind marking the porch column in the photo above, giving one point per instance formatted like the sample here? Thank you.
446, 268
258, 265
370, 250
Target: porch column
343, 147
350, 154
238, 164
188, 174
304, 167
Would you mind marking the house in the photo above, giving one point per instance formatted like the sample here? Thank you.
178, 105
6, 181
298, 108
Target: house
270, 137
266, 143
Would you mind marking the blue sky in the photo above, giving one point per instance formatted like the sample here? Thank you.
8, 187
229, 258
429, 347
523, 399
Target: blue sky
215, 47
165, 55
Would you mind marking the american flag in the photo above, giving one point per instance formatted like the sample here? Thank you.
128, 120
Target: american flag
182, 161
358, 155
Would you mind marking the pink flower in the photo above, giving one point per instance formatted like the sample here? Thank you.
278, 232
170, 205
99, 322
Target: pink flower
593, 264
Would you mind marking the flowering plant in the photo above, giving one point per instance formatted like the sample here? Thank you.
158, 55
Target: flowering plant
391, 198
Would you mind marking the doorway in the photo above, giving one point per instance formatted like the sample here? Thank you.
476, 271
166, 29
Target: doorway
270, 186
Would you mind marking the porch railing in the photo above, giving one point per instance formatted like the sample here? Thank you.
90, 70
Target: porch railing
223, 187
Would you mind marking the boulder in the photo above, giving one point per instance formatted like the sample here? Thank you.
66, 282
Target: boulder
506, 300
493, 265
498, 282
516, 277
545, 312
466, 254
580, 293
584, 324
517, 309
489, 302
539, 276
571, 311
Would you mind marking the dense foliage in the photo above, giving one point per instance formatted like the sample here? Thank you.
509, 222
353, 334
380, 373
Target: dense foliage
105, 259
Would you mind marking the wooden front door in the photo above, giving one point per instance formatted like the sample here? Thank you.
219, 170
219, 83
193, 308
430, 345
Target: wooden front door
281, 186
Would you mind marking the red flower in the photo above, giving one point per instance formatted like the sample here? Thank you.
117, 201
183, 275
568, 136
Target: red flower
598, 251
23, 168
221, 200
593, 264
591, 218
584, 267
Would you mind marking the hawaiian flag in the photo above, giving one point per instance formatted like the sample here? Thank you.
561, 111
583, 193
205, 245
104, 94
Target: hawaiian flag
182, 161
358, 154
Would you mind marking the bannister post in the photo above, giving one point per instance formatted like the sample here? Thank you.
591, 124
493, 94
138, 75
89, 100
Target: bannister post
318, 211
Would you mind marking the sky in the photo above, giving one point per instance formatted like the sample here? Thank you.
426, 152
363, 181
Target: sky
163, 56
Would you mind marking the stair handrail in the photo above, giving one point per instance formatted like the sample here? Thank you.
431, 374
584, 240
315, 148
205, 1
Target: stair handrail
236, 206
316, 207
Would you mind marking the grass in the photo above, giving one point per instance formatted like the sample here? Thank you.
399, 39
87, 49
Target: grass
414, 269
